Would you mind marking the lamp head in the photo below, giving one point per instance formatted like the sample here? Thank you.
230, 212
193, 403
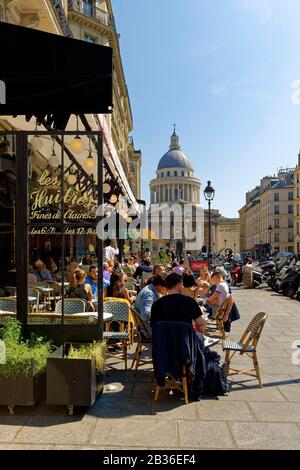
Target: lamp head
209, 192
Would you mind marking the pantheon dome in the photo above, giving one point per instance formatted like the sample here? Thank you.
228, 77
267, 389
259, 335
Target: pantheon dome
175, 179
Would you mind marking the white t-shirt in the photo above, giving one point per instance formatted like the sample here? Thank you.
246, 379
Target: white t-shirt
110, 252
223, 292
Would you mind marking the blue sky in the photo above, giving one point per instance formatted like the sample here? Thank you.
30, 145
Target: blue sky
222, 70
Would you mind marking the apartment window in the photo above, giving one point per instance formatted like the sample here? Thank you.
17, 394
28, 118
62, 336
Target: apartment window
131, 167
182, 173
290, 237
290, 223
168, 173
175, 173
276, 196
276, 223
291, 195
276, 237
89, 38
297, 228
276, 209
291, 209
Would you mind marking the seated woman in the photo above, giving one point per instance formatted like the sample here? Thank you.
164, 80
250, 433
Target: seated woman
190, 287
79, 290
117, 289
204, 281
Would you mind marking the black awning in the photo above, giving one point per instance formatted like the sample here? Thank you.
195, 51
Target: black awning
45, 73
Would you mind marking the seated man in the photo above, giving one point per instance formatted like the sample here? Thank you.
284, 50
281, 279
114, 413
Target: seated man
148, 295
220, 294
128, 269
92, 280
145, 266
177, 307
157, 269
180, 308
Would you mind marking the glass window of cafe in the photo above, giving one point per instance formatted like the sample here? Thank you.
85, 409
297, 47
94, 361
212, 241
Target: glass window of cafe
63, 249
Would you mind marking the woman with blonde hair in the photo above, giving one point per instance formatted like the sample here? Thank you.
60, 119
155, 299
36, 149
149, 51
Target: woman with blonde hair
79, 290
204, 280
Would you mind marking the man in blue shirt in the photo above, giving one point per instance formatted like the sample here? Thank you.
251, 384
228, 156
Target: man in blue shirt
148, 295
92, 280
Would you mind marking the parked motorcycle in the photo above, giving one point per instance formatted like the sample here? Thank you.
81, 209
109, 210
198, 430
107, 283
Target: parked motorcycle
290, 283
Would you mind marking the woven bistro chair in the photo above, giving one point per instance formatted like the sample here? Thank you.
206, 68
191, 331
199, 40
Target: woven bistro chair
34, 293
8, 304
55, 296
121, 319
144, 278
130, 286
71, 306
133, 280
247, 345
216, 323
144, 337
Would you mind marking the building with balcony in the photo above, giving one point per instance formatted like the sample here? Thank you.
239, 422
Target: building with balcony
135, 163
267, 219
93, 21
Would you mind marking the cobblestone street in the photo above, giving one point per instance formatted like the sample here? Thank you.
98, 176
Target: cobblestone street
125, 416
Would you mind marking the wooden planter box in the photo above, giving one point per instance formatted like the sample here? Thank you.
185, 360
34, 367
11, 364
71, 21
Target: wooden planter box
22, 390
72, 382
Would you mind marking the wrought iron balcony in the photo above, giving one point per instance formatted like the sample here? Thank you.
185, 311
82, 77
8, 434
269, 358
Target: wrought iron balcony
60, 13
88, 9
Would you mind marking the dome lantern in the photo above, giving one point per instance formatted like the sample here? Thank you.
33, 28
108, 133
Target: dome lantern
175, 157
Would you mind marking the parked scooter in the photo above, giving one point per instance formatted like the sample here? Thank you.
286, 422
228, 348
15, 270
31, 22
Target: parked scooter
290, 283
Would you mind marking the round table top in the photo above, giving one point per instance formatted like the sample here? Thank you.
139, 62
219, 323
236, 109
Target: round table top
106, 315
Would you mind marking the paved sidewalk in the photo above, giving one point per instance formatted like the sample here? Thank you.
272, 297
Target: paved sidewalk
125, 416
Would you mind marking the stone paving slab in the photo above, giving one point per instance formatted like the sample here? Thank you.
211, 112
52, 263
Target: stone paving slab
205, 435
266, 436
55, 430
129, 432
216, 410
279, 412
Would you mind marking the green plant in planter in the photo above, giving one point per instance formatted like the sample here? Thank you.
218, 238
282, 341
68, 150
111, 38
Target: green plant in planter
95, 350
22, 355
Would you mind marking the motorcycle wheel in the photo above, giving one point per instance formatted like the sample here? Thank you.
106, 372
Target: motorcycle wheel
291, 292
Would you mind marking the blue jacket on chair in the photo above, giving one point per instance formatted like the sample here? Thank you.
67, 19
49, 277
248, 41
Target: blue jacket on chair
176, 344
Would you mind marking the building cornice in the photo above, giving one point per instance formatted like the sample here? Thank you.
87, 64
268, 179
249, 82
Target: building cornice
174, 180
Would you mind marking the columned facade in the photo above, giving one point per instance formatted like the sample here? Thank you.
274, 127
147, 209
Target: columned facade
175, 183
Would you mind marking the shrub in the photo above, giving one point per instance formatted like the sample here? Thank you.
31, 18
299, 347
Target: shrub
95, 350
22, 355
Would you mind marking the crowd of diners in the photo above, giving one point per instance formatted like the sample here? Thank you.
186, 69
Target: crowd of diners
195, 298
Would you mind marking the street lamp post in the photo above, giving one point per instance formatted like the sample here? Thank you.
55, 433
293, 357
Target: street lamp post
209, 194
234, 247
225, 241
